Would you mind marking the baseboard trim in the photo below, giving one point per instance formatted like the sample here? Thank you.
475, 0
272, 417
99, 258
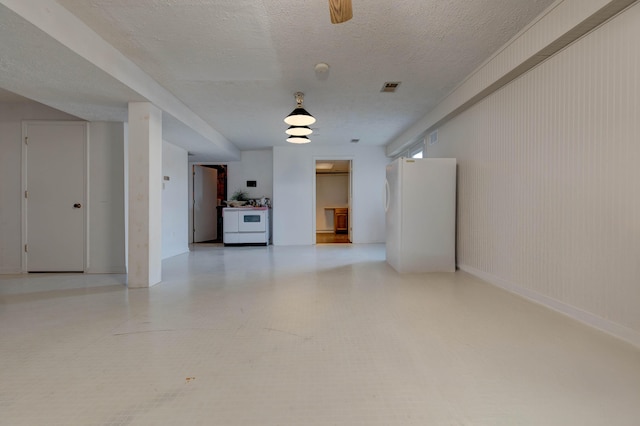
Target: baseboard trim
609, 327
111, 270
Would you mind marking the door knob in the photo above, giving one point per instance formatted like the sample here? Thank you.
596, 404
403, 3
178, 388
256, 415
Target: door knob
77, 205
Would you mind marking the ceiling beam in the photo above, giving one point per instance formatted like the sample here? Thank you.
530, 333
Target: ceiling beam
64, 27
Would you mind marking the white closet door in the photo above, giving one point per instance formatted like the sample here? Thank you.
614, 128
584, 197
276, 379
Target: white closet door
55, 202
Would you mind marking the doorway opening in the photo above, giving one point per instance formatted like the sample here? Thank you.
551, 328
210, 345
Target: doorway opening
333, 219
209, 189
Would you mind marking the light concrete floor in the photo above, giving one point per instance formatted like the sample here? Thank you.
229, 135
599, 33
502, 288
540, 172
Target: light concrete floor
324, 335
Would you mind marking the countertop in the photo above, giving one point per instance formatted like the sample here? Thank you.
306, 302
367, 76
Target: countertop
246, 208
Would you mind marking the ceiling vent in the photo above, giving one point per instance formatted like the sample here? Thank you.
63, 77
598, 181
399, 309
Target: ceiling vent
390, 86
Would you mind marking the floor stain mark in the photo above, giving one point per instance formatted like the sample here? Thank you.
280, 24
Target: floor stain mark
287, 332
143, 331
167, 330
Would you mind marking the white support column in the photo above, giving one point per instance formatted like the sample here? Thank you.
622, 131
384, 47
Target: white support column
145, 195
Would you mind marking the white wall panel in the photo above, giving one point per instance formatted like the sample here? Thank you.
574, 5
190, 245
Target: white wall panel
175, 200
253, 165
293, 191
293, 171
549, 205
106, 198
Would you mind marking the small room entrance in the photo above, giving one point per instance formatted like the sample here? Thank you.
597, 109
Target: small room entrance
208, 190
333, 201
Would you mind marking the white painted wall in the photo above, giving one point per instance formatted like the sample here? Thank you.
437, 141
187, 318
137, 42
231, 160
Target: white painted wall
548, 202
175, 199
332, 190
253, 165
106, 188
106, 198
294, 192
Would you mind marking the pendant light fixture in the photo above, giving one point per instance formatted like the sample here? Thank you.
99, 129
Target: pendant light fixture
299, 116
298, 131
298, 139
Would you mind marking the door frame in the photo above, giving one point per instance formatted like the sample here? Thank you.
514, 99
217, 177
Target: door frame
193, 201
219, 165
350, 195
23, 186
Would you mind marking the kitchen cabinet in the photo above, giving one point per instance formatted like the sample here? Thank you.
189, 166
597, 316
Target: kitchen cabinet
341, 220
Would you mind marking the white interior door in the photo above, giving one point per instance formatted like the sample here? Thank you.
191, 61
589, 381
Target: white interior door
55, 199
205, 199
393, 213
350, 192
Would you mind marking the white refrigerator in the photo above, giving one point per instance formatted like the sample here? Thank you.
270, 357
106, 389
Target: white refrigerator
421, 214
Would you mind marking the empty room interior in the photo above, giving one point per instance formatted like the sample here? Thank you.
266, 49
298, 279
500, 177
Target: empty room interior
331, 212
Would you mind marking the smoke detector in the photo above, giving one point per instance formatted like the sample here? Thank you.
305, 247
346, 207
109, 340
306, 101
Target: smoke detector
321, 68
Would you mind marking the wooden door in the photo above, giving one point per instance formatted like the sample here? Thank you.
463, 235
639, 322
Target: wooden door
350, 201
205, 199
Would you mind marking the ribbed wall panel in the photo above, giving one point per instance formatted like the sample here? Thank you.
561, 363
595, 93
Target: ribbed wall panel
554, 27
549, 179
549, 27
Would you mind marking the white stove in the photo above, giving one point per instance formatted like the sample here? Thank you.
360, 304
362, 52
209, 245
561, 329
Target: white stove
245, 225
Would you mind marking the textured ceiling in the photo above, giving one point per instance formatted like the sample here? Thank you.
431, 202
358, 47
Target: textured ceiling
237, 63
34, 65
